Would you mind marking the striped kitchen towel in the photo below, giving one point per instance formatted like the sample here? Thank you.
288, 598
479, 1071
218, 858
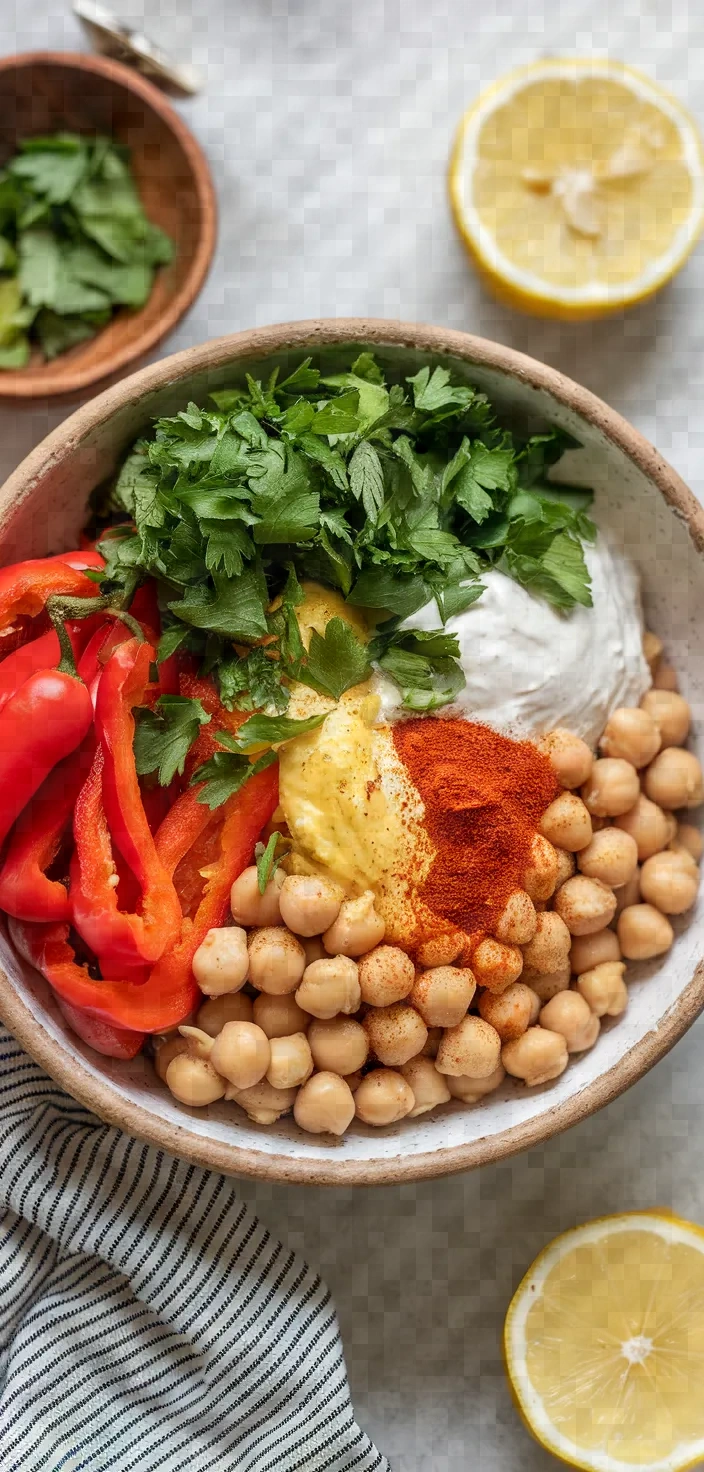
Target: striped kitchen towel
147, 1319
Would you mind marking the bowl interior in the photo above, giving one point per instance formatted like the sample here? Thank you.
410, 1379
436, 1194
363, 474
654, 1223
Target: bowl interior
664, 996
46, 94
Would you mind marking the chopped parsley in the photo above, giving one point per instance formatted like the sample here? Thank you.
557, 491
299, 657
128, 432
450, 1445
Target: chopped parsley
75, 244
394, 494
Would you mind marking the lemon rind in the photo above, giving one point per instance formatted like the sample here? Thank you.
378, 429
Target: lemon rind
671, 1228
534, 291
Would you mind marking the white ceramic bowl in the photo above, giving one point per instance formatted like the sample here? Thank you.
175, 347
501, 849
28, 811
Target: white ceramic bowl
42, 508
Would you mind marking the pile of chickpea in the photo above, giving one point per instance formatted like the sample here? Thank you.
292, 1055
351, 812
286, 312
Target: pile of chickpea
341, 1025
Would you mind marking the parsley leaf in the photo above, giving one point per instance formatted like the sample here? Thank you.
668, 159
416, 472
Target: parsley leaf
270, 729
367, 479
164, 736
336, 660
425, 663
251, 682
225, 773
235, 611
267, 864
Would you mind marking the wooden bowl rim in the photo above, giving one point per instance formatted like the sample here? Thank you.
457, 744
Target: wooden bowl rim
67, 381
99, 1095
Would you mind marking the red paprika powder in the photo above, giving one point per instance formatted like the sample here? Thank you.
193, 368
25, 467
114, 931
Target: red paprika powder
484, 795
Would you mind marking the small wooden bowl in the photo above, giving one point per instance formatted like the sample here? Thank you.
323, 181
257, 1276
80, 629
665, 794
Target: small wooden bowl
640, 501
45, 91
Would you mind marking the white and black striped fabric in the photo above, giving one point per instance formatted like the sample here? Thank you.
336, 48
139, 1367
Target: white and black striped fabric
147, 1319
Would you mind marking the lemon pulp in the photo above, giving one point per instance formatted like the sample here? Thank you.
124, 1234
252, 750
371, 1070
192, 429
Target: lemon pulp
577, 186
605, 1345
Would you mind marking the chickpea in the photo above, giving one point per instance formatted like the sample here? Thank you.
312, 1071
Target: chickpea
570, 756
585, 905
550, 946
279, 1017
604, 989
649, 825
572, 1016
262, 1103
429, 1087
386, 975
395, 1033
291, 1061
314, 948
232, 1007
643, 933
652, 649
566, 865
166, 1051
338, 1045
249, 906
472, 1047
241, 1053
612, 857
496, 965
689, 838
325, 1105
221, 962
541, 872
443, 995
613, 787
670, 882
329, 987
309, 904
511, 1012
536, 1057
592, 950
433, 1042
194, 1081
631, 734
628, 894
358, 927
442, 950
276, 960
383, 1097
671, 713
548, 985
517, 921
665, 678
567, 824
471, 1090
674, 779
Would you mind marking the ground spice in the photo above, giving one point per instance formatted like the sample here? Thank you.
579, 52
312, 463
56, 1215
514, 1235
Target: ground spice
484, 795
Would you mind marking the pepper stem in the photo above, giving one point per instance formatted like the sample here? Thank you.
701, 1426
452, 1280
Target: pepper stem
67, 662
59, 609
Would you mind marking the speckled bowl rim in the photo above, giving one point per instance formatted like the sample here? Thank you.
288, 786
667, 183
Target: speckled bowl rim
100, 1096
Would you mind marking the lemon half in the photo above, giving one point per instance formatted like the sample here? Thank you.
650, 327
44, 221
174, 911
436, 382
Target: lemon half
604, 1344
577, 187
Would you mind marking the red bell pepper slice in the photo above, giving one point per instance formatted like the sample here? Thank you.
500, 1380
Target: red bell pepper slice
25, 586
122, 686
40, 725
25, 890
170, 993
112, 1042
40, 945
120, 940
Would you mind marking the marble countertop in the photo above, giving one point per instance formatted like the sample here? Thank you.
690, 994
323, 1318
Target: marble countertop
328, 127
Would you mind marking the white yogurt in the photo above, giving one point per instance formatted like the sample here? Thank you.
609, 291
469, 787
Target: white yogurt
529, 668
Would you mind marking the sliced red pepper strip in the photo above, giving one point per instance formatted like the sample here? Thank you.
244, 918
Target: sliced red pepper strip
119, 940
246, 813
81, 558
47, 718
25, 586
112, 1042
122, 686
170, 993
25, 890
39, 945
181, 827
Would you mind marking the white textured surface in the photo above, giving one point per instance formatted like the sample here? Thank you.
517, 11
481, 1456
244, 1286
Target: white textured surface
328, 128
